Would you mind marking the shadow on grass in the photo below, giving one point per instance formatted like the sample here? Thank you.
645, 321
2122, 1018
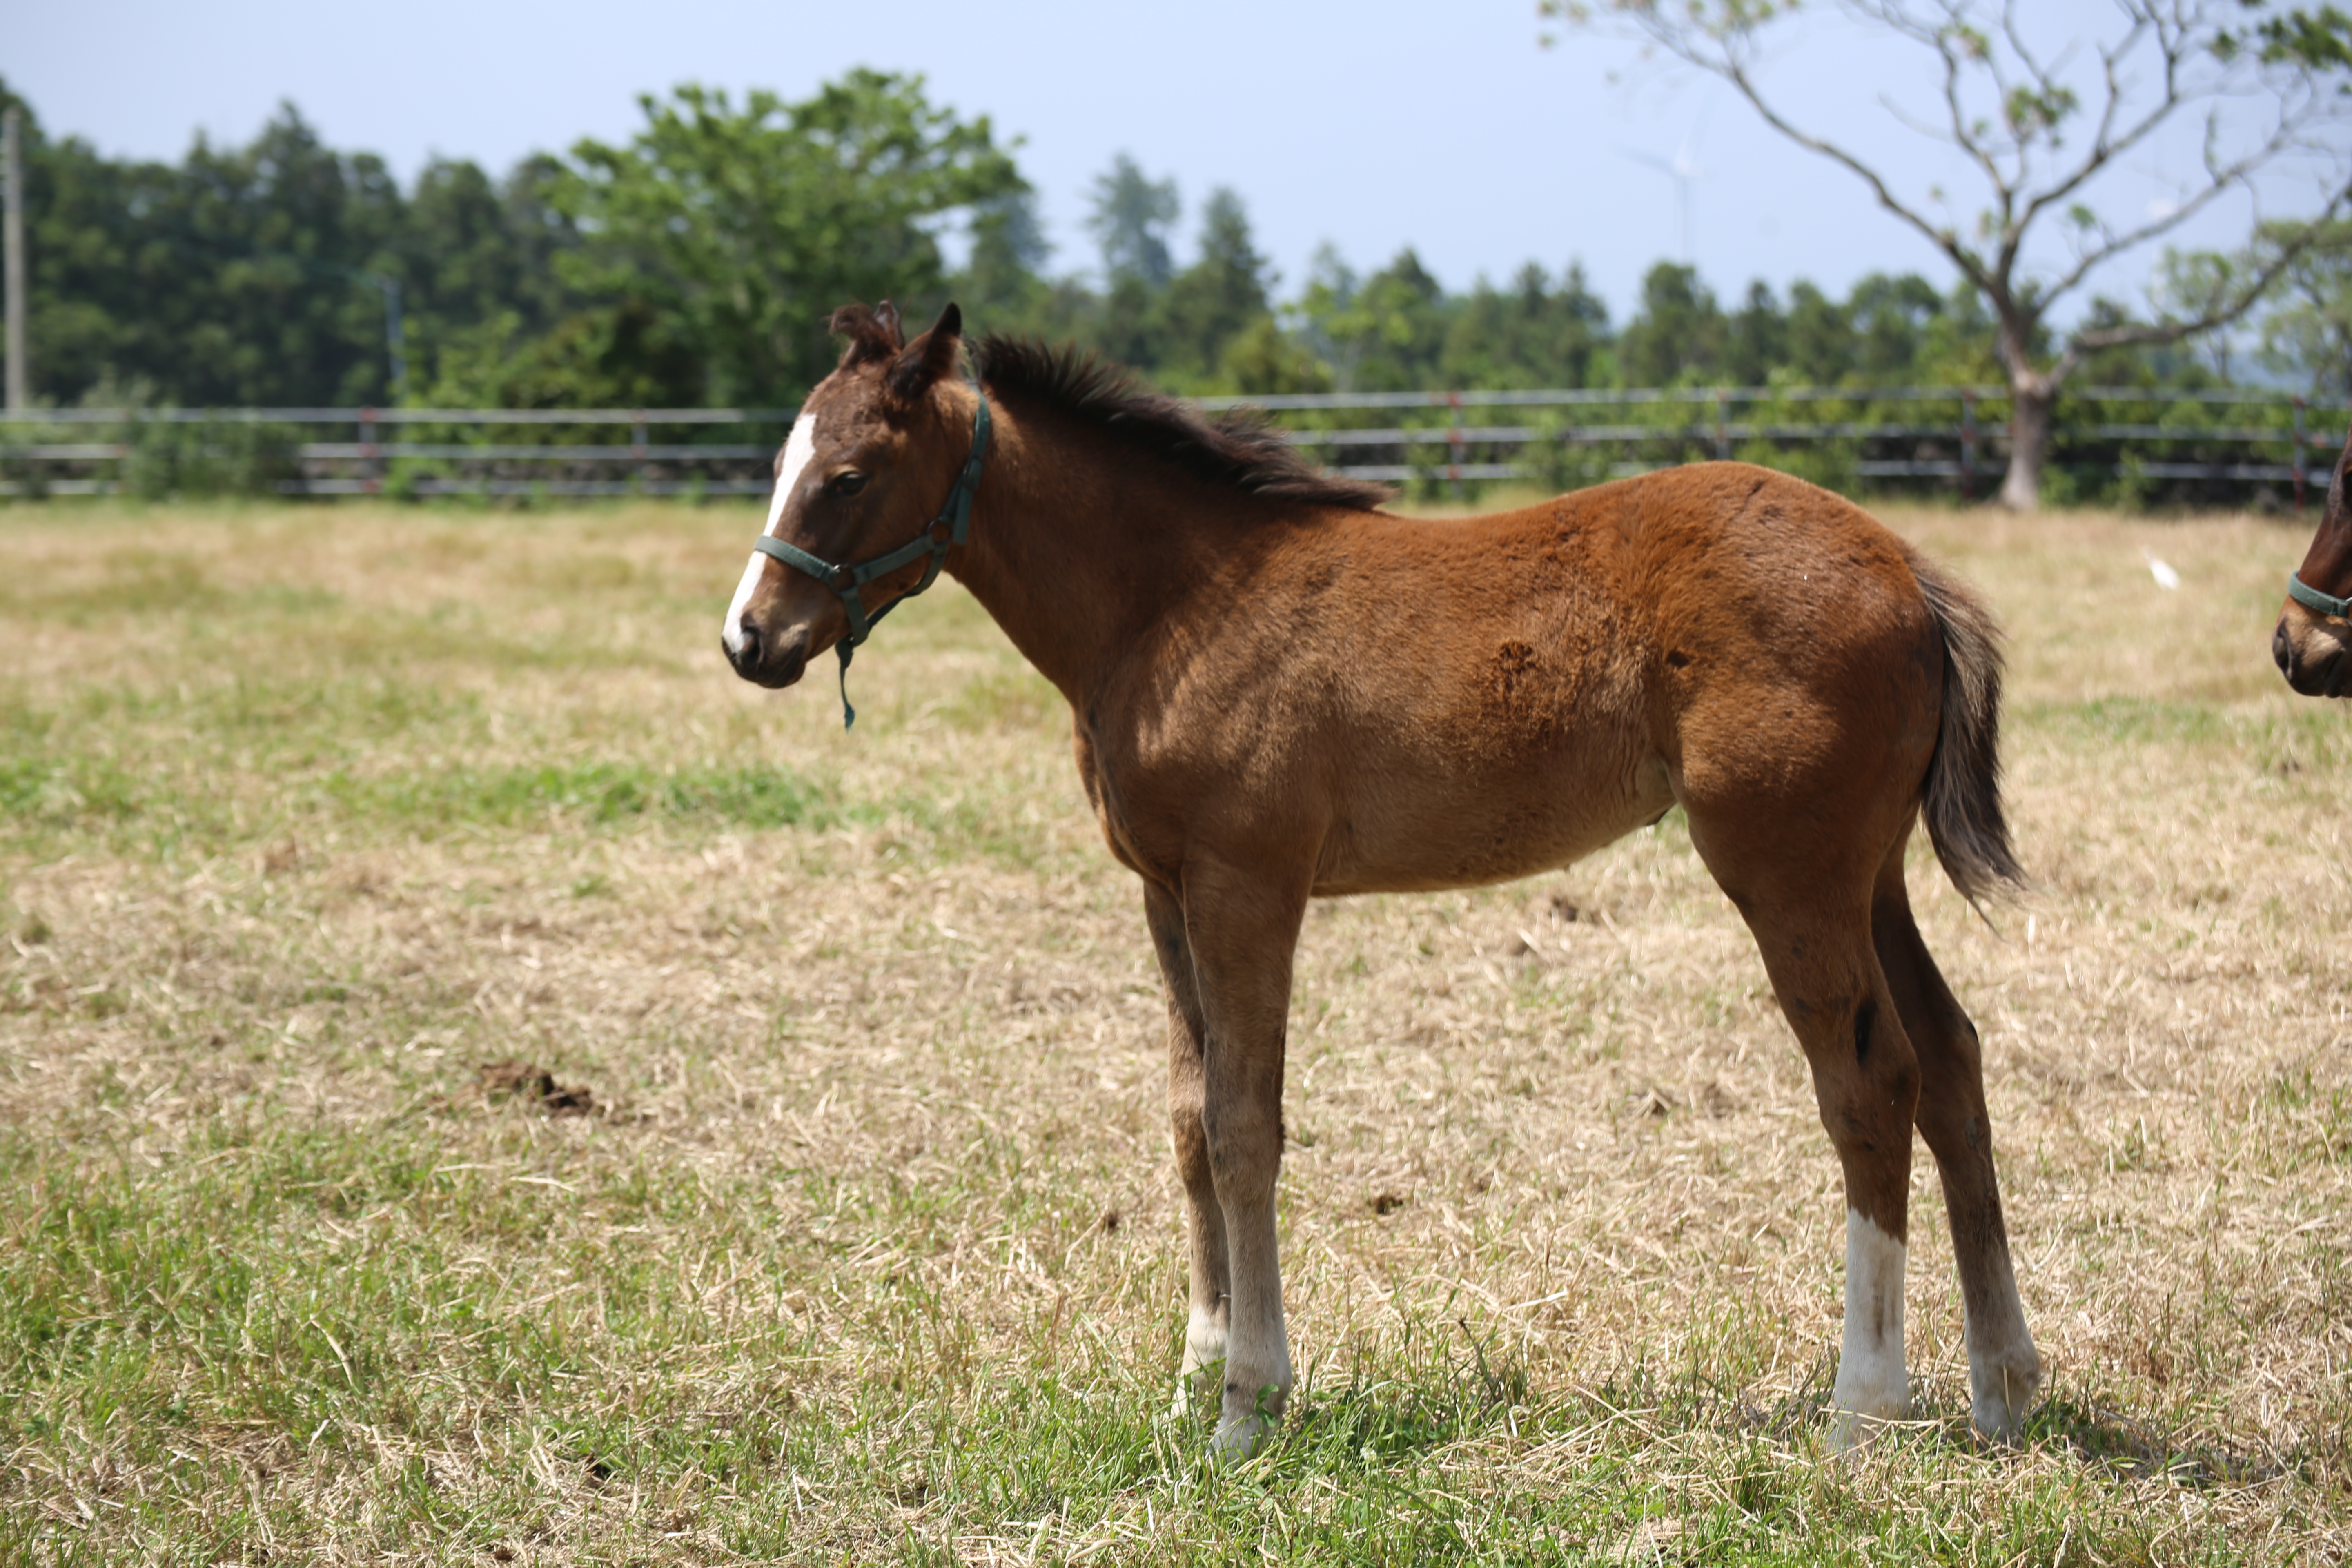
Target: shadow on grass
1450, 1395
2134, 1450
1469, 1393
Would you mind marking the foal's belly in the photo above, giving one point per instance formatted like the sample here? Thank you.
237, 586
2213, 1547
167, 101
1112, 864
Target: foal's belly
1514, 823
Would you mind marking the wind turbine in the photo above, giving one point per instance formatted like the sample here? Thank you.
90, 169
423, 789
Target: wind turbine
1684, 171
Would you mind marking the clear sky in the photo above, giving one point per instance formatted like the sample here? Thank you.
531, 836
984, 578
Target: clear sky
1370, 125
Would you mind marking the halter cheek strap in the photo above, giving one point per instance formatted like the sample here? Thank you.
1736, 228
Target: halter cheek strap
943, 533
2311, 598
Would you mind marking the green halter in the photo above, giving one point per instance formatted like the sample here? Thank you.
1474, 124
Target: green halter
955, 517
2311, 598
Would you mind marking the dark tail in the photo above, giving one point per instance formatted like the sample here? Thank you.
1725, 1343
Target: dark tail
1962, 797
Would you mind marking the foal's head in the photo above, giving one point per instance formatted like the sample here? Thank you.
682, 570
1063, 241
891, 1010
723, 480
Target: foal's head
871, 456
2314, 649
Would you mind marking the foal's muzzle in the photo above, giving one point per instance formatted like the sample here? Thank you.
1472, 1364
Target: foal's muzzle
771, 662
2313, 666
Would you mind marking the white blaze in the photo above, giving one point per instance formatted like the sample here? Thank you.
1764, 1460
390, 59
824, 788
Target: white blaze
1871, 1381
799, 448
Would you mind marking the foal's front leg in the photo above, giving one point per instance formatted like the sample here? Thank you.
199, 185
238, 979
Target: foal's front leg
1188, 1079
1242, 929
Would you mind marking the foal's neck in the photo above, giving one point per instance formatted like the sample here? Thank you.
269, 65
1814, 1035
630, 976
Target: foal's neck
1079, 543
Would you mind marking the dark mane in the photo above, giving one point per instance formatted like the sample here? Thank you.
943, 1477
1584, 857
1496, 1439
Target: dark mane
1240, 448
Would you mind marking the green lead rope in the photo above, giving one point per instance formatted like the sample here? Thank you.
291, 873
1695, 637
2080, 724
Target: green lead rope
941, 534
848, 714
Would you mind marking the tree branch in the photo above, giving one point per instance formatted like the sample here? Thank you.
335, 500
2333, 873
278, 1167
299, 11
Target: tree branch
2105, 150
1967, 139
2222, 180
1728, 66
2233, 305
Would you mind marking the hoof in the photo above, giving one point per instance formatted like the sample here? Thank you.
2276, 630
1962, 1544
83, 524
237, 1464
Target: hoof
1238, 1438
1855, 1421
1247, 1421
1851, 1431
2001, 1397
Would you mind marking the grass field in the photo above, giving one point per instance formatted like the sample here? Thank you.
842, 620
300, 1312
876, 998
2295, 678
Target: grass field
868, 1247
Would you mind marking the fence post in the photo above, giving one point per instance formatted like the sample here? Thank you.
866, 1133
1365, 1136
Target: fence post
1454, 445
1722, 430
371, 472
1968, 444
637, 448
2298, 454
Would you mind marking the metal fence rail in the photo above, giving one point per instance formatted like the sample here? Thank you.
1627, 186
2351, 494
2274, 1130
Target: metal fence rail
1948, 435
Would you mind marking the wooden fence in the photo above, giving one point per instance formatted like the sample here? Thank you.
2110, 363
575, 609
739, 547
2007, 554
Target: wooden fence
2208, 443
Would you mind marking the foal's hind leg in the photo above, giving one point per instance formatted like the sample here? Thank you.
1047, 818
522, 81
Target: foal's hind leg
1867, 1083
2003, 1368
1812, 923
1188, 1080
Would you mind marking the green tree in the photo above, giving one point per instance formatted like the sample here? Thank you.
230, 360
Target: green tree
1002, 281
626, 355
1131, 216
1960, 346
1757, 337
1527, 335
1383, 333
748, 225
1224, 292
1679, 333
296, 236
472, 247
2306, 330
247, 275
1820, 336
256, 274
1891, 316
1265, 359
1131, 219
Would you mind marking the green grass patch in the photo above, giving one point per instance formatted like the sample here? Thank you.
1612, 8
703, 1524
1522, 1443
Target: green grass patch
480, 1345
597, 793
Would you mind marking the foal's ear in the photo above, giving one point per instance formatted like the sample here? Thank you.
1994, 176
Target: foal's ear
927, 359
2334, 515
873, 333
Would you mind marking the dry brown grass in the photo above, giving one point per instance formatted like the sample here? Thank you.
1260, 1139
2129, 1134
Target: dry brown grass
894, 1077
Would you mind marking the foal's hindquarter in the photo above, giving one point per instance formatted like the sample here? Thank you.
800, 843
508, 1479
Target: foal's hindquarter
1364, 702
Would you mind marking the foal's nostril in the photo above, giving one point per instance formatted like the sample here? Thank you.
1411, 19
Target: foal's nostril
747, 652
2282, 650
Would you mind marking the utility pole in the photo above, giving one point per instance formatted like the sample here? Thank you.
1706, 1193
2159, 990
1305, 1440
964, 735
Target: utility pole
396, 350
12, 241
395, 353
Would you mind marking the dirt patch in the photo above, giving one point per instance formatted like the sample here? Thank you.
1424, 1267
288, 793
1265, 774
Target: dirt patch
514, 1080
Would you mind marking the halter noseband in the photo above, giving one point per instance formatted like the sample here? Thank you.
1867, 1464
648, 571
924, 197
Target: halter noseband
2311, 598
845, 581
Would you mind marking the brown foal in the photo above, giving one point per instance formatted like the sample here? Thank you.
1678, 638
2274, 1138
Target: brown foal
2313, 641
1280, 692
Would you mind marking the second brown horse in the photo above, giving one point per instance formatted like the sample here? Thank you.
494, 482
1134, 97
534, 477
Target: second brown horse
1280, 692
2313, 639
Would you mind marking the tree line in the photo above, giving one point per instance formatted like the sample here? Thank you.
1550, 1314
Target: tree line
694, 264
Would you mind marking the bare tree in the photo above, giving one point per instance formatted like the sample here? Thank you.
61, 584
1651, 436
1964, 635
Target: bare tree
2037, 129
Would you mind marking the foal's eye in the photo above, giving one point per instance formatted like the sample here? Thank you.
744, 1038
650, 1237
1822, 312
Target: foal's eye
845, 484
